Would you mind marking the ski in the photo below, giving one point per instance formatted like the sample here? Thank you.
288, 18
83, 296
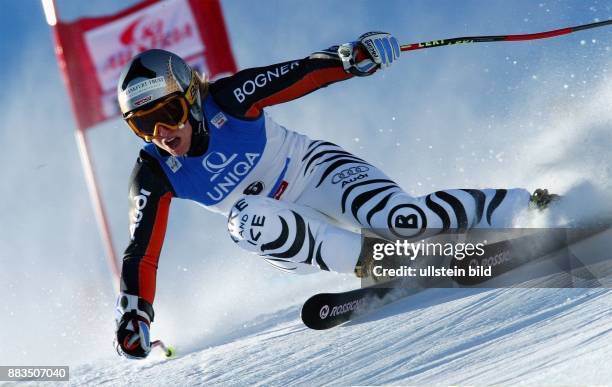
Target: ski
507, 255
327, 310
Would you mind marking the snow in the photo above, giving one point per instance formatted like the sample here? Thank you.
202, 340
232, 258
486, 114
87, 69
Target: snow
489, 115
454, 336
439, 336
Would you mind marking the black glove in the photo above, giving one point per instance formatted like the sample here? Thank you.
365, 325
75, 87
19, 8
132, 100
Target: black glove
371, 51
133, 317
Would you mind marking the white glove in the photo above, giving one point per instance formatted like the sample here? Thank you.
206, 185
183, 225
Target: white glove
371, 51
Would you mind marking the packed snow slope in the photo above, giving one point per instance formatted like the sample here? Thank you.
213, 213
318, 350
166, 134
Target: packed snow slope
440, 336
460, 336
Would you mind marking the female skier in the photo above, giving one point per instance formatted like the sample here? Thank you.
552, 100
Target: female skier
285, 195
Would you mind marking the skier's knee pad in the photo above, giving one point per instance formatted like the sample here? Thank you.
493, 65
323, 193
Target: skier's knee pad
265, 227
254, 221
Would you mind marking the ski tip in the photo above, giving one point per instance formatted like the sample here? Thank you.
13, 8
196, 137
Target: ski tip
315, 312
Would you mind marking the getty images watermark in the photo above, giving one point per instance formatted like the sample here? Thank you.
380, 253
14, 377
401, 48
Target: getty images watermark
582, 257
413, 250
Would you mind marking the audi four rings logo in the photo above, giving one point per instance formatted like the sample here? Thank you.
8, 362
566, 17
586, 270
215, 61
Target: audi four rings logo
346, 173
324, 312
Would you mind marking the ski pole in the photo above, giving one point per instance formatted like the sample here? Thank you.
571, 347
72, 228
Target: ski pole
502, 38
168, 350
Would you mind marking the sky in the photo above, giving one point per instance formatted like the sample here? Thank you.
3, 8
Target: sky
524, 114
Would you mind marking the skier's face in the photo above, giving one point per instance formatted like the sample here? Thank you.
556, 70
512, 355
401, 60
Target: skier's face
176, 142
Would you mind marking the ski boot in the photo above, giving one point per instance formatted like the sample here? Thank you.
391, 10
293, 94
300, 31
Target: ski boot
541, 199
366, 263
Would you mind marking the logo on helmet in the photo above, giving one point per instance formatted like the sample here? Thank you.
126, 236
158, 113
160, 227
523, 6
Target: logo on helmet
144, 86
193, 88
143, 100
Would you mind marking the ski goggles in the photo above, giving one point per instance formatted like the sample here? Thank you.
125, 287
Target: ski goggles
171, 114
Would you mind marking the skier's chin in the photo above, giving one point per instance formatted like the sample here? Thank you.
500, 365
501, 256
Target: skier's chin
178, 151
176, 146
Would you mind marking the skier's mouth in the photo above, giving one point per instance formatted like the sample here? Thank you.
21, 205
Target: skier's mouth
172, 142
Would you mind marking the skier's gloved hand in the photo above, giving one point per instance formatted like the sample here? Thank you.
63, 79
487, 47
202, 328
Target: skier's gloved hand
371, 51
133, 316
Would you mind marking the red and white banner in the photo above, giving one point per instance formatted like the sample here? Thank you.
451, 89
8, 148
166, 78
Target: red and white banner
93, 51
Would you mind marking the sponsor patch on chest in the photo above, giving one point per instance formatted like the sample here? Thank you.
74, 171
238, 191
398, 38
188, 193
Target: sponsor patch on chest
219, 120
173, 164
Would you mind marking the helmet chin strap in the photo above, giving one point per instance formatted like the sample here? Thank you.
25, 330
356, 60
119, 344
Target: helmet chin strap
199, 134
199, 138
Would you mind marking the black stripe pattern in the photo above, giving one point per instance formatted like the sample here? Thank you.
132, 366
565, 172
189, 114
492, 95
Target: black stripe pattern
363, 198
352, 187
377, 208
335, 153
328, 155
500, 194
438, 210
460, 213
298, 242
282, 238
479, 199
302, 229
458, 209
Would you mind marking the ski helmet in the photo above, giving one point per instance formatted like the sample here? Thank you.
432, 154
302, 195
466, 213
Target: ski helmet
159, 85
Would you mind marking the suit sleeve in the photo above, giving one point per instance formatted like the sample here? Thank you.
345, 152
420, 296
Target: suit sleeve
150, 194
247, 92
